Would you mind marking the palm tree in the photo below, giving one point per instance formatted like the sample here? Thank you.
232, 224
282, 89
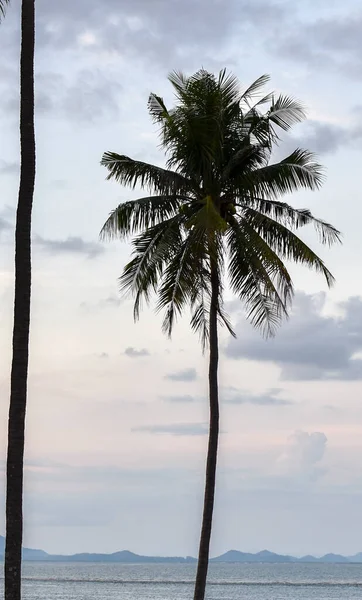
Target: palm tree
213, 216
19, 370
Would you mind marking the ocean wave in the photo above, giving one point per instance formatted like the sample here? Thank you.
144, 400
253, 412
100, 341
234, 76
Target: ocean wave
241, 583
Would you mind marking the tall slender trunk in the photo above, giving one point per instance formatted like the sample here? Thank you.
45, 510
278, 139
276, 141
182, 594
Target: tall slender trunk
203, 561
19, 370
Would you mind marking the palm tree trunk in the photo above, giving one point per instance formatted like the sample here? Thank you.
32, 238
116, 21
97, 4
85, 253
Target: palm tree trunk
203, 561
19, 370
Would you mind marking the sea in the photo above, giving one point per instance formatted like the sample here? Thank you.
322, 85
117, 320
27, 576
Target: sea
96, 581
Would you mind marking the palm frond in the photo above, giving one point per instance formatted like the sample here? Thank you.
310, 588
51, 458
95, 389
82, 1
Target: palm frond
229, 88
152, 250
255, 277
135, 215
178, 81
249, 238
224, 320
134, 173
157, 108
249, 157
258, 128
293, 217
299, 170
286, 243
254, 88
285, 112
256, 290
200, 319
179, 280
3, 5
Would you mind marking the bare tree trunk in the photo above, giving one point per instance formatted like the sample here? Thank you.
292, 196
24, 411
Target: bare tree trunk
19, 370
203, 561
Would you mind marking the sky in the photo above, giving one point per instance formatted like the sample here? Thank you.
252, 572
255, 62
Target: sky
117, 413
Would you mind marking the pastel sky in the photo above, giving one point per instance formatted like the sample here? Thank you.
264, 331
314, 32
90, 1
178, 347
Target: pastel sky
117, 414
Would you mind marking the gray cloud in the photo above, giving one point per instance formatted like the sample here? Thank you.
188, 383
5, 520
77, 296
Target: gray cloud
88, 95
271, 397
4, 225
177, 429
91, 96
186, 399
71, 245
323, 138
333, 42
7, 214
9, 168
311, 346
183, 375
133, 353
156, 30
232, 395
103, 355
111, 301
326, 138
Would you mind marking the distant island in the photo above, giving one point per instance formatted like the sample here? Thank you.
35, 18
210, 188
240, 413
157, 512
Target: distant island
232, 556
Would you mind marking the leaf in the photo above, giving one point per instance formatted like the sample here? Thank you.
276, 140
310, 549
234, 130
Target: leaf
285, 243
286, 112
136, 215
131, 173
293, 217
3, 5
297, 171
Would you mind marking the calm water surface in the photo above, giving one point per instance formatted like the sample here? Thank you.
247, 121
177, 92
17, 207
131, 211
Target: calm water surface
46, 581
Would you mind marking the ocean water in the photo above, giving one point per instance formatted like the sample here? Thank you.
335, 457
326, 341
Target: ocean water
88, 581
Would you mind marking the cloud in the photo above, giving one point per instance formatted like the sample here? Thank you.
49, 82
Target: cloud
4, 225
271, 397
332, 41
103, 355
177, 429
186, 399
183, 375
152, 30
70, 245
323, 137
84, 96
326, 138
311, 346
301, 456
133, 353
91, 96
232, 395
111, 301
9, 168
7, 215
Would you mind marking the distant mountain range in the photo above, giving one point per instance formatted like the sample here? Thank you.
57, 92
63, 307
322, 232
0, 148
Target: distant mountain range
232, 556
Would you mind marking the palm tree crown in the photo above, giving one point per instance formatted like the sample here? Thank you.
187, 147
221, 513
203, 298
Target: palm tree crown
217, 203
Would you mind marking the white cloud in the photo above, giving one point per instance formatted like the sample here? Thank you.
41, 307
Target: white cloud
302, 456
